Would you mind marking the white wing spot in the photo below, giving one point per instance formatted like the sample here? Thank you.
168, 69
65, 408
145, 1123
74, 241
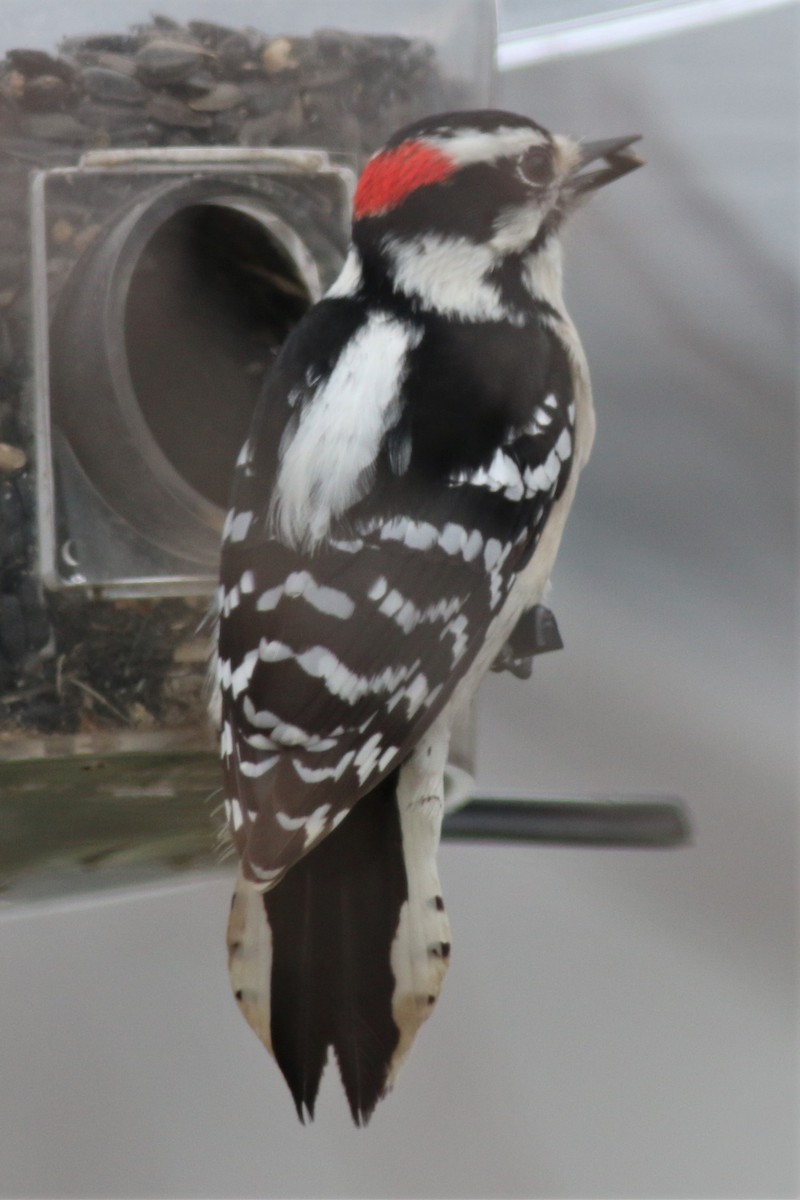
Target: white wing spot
256, 769
261, 718
258, 740
231, 601
564, 445
386, 757
266, 876
473, 546
516, 491
453, 538
457, 628
536, 480
239, 526
491, 553
391, 604
274, 651
243, 673
269, 599
347, 545
290, 824
416, 693
331, 601
320, 774
233, 810
315, 824
417, 535
367, 758
408, 617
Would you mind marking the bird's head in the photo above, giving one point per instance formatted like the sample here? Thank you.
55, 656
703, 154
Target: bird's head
494, 178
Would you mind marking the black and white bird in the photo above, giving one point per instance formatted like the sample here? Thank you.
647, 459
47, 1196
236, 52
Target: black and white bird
397, 509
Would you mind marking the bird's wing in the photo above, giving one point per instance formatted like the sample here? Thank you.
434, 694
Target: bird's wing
334, 661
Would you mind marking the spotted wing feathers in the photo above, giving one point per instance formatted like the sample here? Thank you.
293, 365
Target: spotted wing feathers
335, 658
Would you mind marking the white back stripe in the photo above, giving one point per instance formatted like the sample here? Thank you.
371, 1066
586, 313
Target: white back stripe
326, 466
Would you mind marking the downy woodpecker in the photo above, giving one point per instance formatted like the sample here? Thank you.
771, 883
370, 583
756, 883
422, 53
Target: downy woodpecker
396, 509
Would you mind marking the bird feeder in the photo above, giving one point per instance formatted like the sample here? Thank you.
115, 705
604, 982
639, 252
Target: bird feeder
173, 197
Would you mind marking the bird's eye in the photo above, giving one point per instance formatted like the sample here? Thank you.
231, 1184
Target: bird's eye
536, 165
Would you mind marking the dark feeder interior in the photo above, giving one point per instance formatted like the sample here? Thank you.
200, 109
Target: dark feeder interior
210, 301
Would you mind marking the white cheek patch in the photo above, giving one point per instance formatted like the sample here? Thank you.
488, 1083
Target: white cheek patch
516, 228
446, 275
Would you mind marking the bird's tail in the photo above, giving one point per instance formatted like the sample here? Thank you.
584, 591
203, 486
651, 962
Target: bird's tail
350, 949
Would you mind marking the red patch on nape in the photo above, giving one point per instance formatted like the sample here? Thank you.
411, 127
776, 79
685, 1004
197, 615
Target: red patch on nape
394, 174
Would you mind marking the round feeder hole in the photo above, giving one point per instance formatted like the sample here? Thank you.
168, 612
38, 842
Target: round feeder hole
159, 346
211, 299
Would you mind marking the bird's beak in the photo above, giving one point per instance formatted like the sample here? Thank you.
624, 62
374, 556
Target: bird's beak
614, 157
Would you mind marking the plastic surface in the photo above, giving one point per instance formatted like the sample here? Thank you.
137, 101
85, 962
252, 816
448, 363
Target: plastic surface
174, 192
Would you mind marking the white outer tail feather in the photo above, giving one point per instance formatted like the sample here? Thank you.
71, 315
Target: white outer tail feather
420, 951
250, 957
421, 948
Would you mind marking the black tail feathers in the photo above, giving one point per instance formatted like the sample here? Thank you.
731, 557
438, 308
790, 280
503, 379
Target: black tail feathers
333, 919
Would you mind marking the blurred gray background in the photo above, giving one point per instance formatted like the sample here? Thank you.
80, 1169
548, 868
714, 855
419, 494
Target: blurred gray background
615, 1023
